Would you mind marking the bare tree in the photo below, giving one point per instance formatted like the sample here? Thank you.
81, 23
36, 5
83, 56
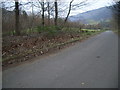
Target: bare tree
17, 17
31, 26
56, 12
48, 5
116, 15
41, 6
43, 10
74, 7
69, 10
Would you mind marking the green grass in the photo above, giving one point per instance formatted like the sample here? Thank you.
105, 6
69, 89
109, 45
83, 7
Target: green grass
91, 30
51, 30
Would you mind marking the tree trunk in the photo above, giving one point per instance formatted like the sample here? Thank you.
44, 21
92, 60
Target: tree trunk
69, 11
32, 21
17, 17
56, 12
43, 21
48, 13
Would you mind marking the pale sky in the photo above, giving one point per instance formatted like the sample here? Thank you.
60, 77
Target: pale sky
94, 4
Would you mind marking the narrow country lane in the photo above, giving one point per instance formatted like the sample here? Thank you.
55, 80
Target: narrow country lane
92, 63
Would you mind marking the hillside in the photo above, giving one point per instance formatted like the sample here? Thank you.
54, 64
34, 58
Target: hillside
93, 16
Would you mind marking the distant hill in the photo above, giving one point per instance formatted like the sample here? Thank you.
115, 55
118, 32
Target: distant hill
94, 16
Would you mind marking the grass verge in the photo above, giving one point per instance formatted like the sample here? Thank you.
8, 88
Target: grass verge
29, 54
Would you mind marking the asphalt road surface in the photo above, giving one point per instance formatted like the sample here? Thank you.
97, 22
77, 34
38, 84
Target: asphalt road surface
92, 63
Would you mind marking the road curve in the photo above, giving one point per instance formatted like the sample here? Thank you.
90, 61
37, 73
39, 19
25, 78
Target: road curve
92, 63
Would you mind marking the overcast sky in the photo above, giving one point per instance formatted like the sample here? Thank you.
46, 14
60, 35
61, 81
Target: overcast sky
94, 4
